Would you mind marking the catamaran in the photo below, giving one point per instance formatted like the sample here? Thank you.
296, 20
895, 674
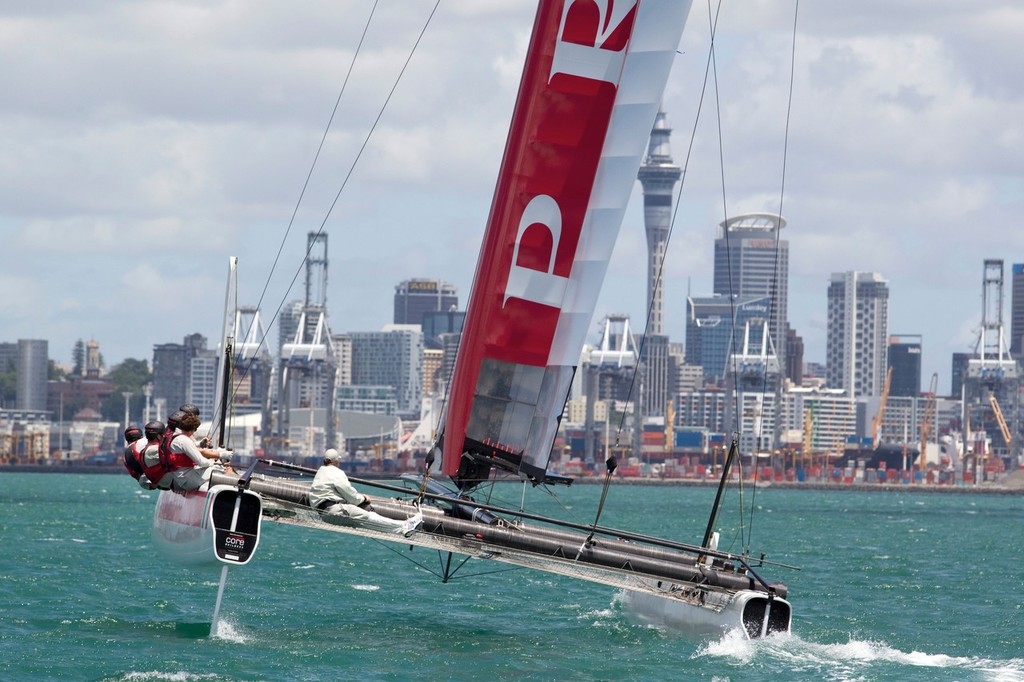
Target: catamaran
592, 84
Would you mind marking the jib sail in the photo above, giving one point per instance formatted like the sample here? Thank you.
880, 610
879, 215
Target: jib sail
594, 76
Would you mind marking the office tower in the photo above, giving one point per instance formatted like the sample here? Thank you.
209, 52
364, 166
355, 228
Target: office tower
33, 371
414, 297
172, 366
752, 260
858, 320
711, 335
391, 357
1017, 310
904, 358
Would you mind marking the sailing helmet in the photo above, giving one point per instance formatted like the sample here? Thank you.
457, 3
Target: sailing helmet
331, 455
189, 408
175, 419
154, 429
132, 434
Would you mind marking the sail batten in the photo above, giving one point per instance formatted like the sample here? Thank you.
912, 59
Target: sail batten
592, 82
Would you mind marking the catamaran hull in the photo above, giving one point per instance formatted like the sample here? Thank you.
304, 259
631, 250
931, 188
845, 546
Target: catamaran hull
200, 527
679, 609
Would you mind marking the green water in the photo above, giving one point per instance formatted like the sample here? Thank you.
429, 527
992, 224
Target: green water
893, 586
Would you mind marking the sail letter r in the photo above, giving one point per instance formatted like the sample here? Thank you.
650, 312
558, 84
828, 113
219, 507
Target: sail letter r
591, 43
539, 286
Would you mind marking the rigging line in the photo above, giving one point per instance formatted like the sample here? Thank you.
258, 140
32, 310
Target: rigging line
316, 157
775, 271
728, 251
302, 194
675, 212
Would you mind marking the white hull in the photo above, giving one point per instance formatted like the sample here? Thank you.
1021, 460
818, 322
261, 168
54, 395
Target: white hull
705, 613
182, 531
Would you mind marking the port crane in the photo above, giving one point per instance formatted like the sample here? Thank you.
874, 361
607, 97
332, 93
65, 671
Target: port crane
876, 425
998, 412
926, 421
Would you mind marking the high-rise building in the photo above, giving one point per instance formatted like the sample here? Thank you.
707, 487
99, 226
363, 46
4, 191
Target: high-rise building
414, 297
33, 371
440, 322
9, 365
752, 260
172, 367
711, 335
658, 177
904, 358
857, 334
794, 370
1017, 310
391, 357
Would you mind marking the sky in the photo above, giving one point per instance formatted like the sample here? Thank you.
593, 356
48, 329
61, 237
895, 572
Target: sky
144, 142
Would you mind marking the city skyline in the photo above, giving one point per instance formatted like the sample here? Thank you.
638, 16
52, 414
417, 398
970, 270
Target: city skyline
149, 148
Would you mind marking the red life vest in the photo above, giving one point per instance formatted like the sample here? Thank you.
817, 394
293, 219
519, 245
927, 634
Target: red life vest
171, 461
133, 460
153, 473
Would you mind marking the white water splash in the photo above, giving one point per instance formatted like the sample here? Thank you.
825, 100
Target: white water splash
851, 660
366, 588
227, 631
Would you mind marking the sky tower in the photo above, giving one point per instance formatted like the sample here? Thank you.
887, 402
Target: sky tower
658, 177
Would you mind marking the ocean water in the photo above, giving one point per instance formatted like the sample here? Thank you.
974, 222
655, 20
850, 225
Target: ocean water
892, 586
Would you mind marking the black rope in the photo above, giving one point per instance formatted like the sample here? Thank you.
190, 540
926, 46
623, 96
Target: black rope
610, 465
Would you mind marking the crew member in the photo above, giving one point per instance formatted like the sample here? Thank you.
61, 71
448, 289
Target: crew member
332, 494
149, 459
189, 465
133, 451
191, 408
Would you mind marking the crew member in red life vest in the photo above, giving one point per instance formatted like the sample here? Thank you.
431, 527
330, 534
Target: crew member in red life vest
149, 459
133, 450
189, 465
190, 408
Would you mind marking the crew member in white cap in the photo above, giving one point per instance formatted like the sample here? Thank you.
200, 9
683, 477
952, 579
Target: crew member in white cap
332, 494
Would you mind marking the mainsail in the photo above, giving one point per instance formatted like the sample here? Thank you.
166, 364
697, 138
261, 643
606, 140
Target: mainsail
594, 77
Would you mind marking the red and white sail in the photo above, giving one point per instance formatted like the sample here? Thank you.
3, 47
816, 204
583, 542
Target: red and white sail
593, 80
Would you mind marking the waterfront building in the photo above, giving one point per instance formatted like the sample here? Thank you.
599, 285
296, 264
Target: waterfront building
858, 318
904, 358
391, 357
369, 399
702, 409
33, 371
833, 415
415, 297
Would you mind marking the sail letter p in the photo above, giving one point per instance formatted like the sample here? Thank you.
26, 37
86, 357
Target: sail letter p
538, 286
591, 43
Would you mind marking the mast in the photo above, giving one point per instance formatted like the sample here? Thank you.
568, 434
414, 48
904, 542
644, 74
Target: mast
227, 336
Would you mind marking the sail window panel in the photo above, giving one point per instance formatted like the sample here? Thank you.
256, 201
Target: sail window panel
557, 380
510, 381
500, 422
